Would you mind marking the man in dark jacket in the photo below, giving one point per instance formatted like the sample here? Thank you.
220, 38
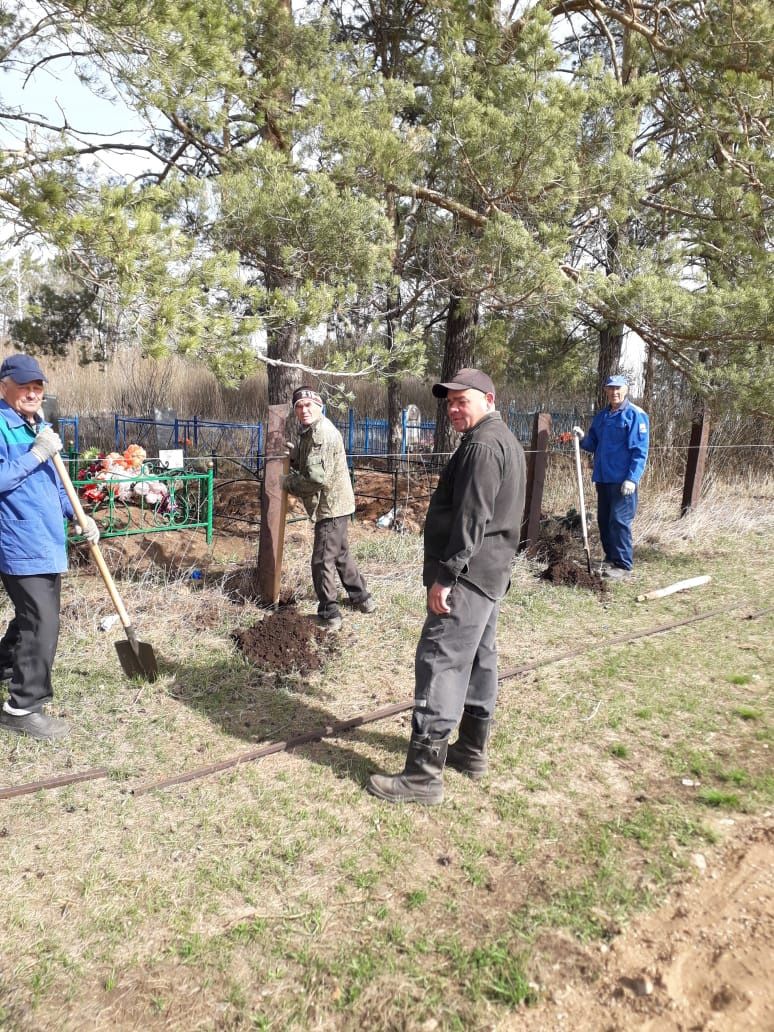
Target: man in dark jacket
32, 549
471, 535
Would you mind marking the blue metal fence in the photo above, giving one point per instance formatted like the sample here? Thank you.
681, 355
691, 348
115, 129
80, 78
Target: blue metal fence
202, 436
68, 431
244, 441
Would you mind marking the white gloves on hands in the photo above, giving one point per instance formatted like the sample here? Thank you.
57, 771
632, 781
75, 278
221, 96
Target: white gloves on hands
628, 487
47, 444
90, 530
578, 431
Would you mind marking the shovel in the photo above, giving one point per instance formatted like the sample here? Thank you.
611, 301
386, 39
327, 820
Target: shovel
582, 500
137, 658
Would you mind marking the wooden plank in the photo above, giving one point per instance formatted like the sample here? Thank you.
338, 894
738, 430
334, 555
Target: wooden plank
537, 461
274, 507
696, 461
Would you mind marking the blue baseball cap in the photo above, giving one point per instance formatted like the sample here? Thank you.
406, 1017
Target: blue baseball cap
21, 369
616, 381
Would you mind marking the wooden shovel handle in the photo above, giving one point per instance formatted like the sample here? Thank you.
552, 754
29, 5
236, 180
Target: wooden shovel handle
80, 516
581, 495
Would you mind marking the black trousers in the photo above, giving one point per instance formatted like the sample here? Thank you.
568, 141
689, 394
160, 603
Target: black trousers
455, 666
331, 562
28, 647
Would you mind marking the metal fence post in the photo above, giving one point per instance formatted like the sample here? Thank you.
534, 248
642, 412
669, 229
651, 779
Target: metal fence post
210, 501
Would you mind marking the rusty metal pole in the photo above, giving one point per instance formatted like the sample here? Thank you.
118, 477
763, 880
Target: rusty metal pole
537, 461
274, 507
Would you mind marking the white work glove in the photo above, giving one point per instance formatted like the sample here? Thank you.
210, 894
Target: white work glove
578, 431
47, 444
628, 487
90, 530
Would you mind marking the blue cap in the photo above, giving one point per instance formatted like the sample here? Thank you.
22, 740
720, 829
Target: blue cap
21, 369
616, 381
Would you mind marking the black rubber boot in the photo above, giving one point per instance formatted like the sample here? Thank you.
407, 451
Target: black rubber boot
422, 778
468, 753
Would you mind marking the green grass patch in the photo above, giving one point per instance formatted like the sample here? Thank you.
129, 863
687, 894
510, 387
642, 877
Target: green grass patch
719, 799
495, 971
279, 895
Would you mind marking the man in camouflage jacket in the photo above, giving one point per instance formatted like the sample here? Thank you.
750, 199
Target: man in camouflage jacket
320, 478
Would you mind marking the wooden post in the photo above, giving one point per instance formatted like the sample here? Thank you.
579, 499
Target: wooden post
274, 507
536, 477
697, 457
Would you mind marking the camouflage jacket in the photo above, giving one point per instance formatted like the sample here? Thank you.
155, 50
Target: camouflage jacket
319, 475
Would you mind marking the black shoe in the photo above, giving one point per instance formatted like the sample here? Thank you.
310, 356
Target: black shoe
421, 780
368, 605
468, 753
331, 623
35, 725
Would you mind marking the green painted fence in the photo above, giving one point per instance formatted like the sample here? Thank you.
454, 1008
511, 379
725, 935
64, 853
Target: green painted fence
187, 504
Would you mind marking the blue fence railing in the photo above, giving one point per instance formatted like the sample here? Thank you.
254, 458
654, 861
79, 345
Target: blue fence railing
245, 441
67, 428
203, 436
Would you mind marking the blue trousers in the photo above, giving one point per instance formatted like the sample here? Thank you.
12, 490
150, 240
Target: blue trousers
455, 666
615, 515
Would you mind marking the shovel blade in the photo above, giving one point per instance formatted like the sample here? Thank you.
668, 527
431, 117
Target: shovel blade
141, 663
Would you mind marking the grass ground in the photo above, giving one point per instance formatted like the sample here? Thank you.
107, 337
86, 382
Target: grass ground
278, 895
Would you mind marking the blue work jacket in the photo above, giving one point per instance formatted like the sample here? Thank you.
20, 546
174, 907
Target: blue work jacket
33, 503
619, 441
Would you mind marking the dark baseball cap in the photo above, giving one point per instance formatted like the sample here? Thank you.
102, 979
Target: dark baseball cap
465, 380
616, 381
21, 369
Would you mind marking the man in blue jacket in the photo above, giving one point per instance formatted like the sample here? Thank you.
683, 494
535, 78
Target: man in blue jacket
618, 437
32, 549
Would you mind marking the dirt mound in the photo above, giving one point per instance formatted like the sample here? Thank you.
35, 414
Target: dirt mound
557, 547
286, 642
237, 506
568, 573
398, 499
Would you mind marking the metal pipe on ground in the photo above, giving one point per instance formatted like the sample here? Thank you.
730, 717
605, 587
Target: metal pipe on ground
338, 727
400, 707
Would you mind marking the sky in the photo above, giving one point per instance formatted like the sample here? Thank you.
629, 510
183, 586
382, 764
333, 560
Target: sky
53, 93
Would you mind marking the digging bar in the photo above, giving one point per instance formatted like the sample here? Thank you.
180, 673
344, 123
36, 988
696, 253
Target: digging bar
137, 657
582, 500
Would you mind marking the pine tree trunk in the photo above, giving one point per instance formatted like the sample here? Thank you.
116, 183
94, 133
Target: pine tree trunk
283, 344
458, 351
609, 361
394, 428
611, 334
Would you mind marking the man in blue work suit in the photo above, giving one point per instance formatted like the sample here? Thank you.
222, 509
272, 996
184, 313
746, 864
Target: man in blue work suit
33, 505
618, 437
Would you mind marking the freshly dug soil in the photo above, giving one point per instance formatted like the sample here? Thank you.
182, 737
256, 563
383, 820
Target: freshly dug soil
557, 548
287, 642
567, 572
